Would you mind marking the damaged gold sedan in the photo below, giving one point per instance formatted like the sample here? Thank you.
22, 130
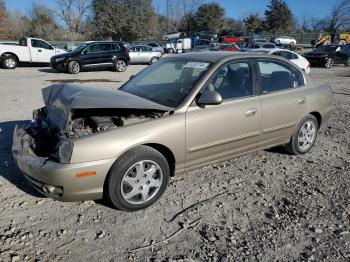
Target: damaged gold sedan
182, 113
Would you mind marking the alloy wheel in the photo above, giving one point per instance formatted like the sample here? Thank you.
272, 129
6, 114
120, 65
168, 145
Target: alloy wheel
306, 135
10, 62
141, 182
120, 66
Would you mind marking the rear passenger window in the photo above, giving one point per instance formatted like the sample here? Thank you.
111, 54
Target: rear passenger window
287, 55
105, 47
278, 77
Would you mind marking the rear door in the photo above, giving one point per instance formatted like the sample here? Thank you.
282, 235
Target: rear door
283, 101
108, 54
41, 51
145, 54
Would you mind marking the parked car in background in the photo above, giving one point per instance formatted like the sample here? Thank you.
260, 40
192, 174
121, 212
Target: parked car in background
262, 45
226, 47
143, 54
328, 55
172, 35
156, 46
295, 58
28, 50
92, 55
206, 35
230, 39
176, 115
285, 40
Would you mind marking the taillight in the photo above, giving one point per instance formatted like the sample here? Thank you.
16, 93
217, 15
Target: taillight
126, 52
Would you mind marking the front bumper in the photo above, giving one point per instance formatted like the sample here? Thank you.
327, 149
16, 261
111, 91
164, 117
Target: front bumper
42, 172
58, 66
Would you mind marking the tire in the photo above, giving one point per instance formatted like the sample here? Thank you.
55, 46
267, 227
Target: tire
329, 63
120, 65
327, 42
304, 136
278, 42
292, 44
154, 60
170, 50
73, 67
123, 179
347, 63
9, 62
342, 42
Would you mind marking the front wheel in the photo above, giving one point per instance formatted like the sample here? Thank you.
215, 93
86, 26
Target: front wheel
329, 63
347, 63
9, 62
138, 179
304, 136
73, 67
154, 60
120, 66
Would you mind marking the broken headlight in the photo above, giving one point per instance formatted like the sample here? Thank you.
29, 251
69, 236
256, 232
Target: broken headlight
63, 151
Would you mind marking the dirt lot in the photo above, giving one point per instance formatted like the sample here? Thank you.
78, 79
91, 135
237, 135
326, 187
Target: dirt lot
266, 206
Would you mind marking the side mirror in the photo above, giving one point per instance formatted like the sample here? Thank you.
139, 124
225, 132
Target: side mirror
209, 98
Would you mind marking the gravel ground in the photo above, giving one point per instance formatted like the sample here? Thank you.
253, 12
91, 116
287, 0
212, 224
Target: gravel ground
268, 206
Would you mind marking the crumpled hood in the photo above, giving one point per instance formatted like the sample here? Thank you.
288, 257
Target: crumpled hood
61, 99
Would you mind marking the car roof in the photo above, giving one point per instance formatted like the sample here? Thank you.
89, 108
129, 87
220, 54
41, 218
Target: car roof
107, 42
214, 57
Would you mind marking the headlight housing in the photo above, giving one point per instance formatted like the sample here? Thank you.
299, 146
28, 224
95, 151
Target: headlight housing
59, 59
63, 151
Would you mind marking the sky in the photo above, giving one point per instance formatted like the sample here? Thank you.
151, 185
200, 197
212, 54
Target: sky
237, 9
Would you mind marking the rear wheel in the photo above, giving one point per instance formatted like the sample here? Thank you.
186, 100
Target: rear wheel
73, 67
304, 136
154, 60
120, 66
170, 50
9, 62
342, 42
138, 179
329, 63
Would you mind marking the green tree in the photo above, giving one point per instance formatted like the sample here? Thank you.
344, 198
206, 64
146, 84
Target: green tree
278, 17
123, 19
210, 17
253, 24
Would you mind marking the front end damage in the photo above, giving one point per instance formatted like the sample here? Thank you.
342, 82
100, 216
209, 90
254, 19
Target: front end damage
44, 148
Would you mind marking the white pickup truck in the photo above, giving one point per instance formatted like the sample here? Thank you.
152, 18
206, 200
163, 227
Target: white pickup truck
28, 50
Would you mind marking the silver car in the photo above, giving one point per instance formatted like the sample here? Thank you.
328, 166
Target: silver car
143, 54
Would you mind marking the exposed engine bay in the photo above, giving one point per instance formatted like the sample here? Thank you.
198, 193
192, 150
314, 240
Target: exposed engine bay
49, 141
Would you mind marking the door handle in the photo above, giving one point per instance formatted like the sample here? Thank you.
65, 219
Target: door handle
39, 50
251, 112
301, 100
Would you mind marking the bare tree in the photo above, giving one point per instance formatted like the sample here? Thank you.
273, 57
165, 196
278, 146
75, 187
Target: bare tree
73, 13
339, 17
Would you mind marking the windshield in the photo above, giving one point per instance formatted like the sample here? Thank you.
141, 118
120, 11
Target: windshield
167, 82
79, 48
326, 48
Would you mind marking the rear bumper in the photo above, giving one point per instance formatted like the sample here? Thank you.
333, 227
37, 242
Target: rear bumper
41, 171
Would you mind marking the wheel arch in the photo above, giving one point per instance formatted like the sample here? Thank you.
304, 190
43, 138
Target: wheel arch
10, 53
318, 117
167, 153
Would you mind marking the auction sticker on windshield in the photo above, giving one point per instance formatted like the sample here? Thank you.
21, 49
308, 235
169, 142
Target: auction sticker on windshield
199, 65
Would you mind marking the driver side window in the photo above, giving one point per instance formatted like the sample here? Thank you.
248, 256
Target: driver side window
232, 81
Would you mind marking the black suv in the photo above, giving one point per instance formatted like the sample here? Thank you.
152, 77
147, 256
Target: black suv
92, 55
328, 55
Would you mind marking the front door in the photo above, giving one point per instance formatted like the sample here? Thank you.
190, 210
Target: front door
41, 52
220, 131
283, 101
91, 56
